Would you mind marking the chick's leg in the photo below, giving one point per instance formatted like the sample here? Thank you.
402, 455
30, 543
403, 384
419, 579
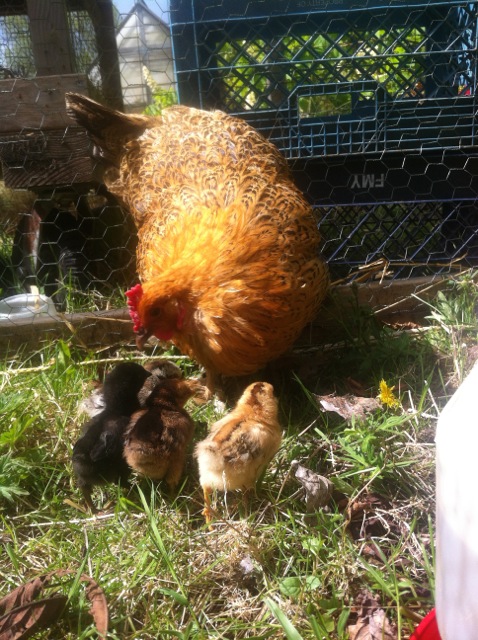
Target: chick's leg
246, 501
208, 511
86, 491
175, 471
213, 386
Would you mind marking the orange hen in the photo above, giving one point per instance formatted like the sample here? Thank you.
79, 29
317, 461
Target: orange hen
228, 253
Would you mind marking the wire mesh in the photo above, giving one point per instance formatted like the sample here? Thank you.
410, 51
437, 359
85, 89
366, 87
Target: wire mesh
67, 237
16, 46
372, 102
351, 77
16, 52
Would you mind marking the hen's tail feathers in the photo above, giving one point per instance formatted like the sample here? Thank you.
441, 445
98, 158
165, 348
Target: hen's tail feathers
108, 128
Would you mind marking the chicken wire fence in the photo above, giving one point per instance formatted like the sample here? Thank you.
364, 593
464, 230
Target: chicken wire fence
373, 103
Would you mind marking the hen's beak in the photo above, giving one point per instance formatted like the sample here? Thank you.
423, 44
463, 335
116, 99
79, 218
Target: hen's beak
142, 337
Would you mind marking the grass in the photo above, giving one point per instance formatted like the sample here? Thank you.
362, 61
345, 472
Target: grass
13, 201
270, 570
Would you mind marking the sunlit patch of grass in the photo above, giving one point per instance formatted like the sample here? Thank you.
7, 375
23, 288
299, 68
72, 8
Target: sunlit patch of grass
269, 568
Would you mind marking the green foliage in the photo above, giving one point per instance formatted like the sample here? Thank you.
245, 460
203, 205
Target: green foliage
13, 471
453, 315
456, 306
8, 275
289, 629
249, 70
161, 97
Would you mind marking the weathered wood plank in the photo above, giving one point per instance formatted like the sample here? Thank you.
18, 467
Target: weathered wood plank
50, 35
394, 302
39, 145
88, 330
17, 7
102, 18
37, 103
391, 302
50, 159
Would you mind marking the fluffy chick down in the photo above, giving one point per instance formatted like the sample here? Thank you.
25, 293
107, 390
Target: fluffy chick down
157, 437
98, 454
118, 384
240, 446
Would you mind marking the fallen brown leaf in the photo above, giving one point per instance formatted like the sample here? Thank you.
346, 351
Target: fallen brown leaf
318, 489
368, 517
372, 623
21, 622
99, 606
373, 627
22, 613
348, 406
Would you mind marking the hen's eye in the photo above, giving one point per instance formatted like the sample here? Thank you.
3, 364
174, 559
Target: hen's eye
155, 312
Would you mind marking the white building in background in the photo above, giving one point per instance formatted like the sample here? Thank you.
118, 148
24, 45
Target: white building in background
144, 42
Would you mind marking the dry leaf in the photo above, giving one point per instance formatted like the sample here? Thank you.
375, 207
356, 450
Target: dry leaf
24, 620
21, 614
368, 516
22, 595
373, 627
372, 623
99, 607
318, 489
348, 406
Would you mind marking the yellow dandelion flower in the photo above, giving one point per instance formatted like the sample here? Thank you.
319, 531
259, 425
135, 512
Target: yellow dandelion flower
386, 395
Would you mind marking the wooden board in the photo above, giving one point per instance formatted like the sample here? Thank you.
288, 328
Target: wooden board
36, 104
40, 147
52, 159
84, 329
50, 35
393, 302
396, 301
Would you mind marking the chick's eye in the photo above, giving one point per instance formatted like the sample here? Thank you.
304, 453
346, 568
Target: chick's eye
155, 312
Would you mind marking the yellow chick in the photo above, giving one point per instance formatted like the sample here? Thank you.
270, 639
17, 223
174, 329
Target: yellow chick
240, 446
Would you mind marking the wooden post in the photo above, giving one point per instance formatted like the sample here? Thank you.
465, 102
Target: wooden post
102, 17
50, 36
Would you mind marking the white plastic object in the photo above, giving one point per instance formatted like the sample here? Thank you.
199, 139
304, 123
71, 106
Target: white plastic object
457, 513
27, 306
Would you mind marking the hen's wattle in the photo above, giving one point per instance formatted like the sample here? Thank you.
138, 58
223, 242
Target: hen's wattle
133, 296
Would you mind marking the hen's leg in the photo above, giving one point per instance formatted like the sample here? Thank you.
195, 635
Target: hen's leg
213, 385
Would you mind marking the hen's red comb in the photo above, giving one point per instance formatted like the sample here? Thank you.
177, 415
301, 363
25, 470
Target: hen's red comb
133, 297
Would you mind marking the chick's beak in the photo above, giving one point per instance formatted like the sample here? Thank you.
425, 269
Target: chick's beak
142, 336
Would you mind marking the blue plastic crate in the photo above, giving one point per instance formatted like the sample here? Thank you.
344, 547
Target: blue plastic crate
400, 239
327, 78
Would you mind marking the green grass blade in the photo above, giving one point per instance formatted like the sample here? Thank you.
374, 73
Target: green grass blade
289, 629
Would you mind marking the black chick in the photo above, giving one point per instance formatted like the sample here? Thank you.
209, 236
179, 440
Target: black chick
98, 454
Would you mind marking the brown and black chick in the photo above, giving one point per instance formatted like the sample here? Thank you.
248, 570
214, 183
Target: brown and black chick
239, 447
157, 438
98, 454
159, 368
